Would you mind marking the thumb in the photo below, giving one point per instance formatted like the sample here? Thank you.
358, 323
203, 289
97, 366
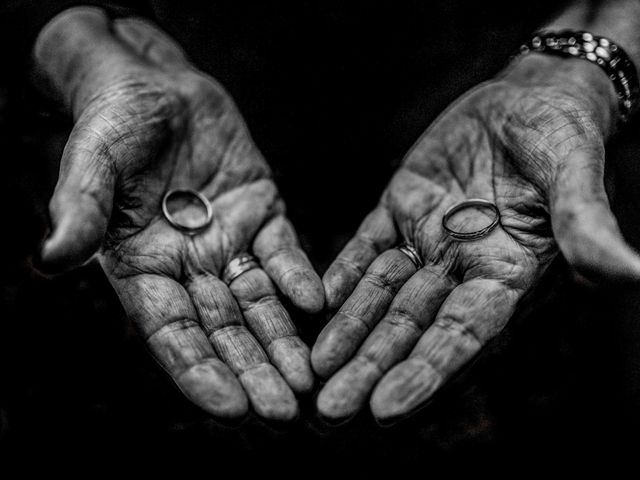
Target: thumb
82, 201
583, 224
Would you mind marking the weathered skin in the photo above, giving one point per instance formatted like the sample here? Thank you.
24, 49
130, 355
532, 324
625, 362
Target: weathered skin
532, 141
147, 121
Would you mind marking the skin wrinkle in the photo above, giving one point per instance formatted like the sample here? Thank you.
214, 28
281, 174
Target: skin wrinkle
387, 281
237, 348
350, 264
525, 131
277, 252
353, 316
456, 327
158, 128
541, 113
270, 299
396, 317
369, 360
172, 325
128, 261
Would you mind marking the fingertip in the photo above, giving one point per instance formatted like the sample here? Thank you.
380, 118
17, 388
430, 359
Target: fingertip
323, 359
270, 396
405, 388
383, 406
302, 384
333, 298
331, 409
53, 258
300, 379
306, 291
75, 238
291, 356
336, 284
318, 362
344, 394
215, 389
337, 343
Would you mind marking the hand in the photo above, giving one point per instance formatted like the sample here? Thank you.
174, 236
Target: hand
147, 121
530, 141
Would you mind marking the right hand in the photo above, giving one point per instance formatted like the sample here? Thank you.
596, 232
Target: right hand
530, 141
147, 121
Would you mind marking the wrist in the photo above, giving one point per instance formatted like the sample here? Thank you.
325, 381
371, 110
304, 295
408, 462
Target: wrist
581, 80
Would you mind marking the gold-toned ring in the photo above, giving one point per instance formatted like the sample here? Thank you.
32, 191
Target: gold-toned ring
191, 230
239, 265
468, 236
412, 253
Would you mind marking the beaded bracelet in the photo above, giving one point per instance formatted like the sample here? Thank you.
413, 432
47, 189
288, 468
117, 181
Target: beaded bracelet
599, 50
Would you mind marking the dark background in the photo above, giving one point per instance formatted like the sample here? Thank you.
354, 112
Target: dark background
334, 93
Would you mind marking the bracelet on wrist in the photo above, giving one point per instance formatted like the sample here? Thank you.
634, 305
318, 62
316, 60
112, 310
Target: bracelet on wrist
599, 50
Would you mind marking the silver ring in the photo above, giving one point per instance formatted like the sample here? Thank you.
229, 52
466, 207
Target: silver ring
473, 202
412, 253
180, 226
237, 266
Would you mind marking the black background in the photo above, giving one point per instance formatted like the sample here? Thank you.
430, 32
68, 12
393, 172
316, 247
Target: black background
334, 94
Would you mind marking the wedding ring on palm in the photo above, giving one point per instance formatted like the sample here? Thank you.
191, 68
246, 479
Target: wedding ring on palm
477, 203
188, 219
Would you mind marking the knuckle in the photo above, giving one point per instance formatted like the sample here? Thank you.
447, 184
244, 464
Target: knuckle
458, 329
401, 318
378, 280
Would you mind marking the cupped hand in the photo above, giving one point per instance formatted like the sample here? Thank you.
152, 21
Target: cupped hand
532, 142
146, 121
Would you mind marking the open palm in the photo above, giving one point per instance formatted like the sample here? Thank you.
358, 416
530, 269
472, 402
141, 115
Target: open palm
537, 153
150, 125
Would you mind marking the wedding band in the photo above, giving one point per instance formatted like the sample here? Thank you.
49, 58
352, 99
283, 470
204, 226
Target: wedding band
191, 229
237, 266
412, 253
473, 202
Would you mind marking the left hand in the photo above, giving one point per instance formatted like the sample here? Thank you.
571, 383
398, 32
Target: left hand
532, 142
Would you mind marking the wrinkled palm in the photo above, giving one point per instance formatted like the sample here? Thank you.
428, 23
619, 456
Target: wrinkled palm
153, 123
537, 153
